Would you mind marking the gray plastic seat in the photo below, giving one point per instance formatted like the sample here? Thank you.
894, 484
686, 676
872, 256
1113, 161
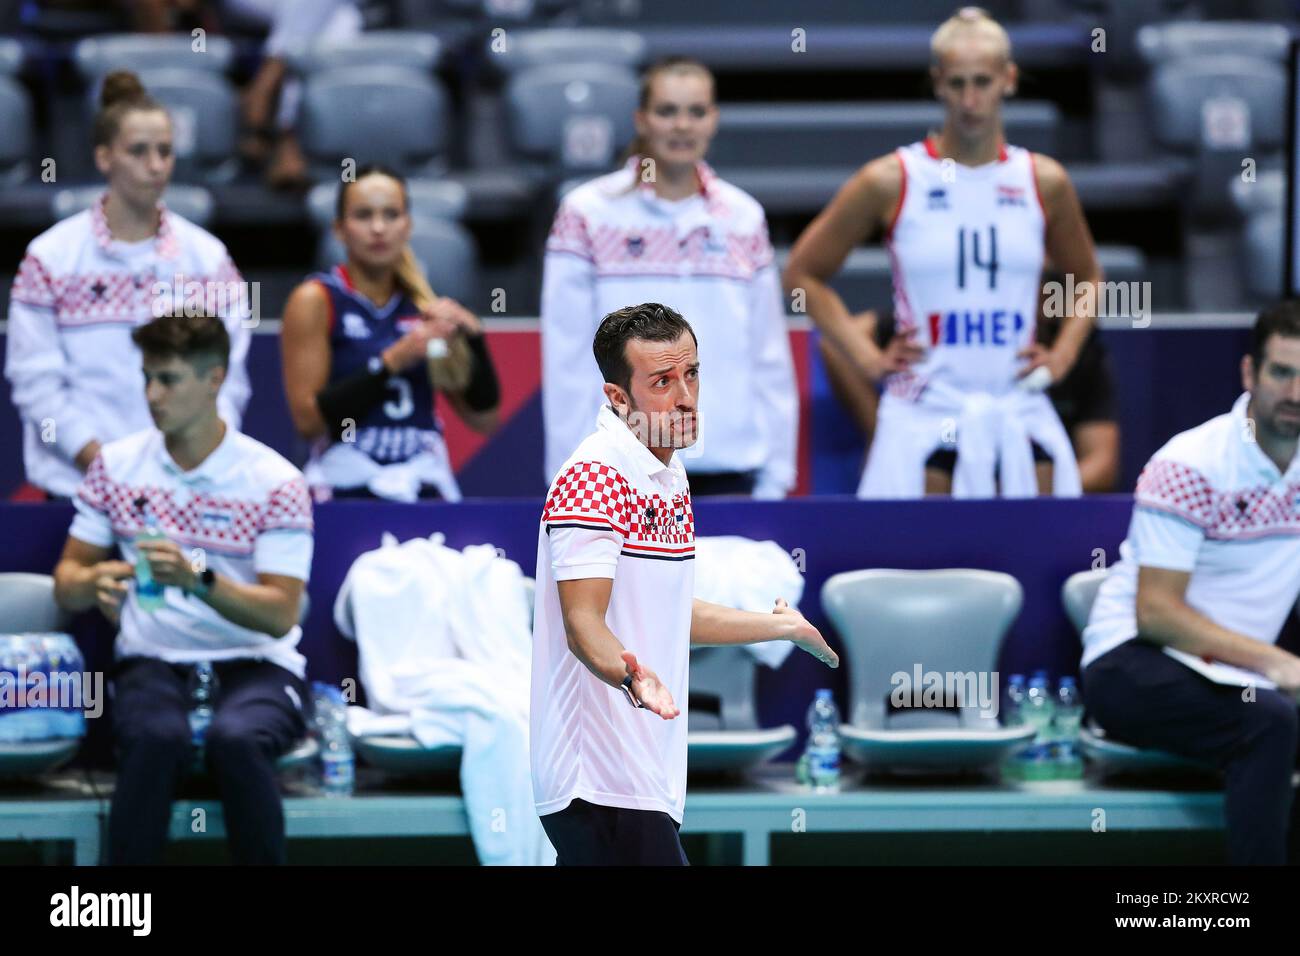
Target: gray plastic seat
1263, 206
407, 49
497, 10
205, 119
11, 56
190, 202
527, 49
946, 621
28, 603
1160, 43
444, 248
1077, 595
846, 135
737, 743
96, 56
429, 198
385, 114
1217, 110
16, 120
571, 117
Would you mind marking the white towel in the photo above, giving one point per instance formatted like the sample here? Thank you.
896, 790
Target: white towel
342, 465
748, 575
445, 650
992, 432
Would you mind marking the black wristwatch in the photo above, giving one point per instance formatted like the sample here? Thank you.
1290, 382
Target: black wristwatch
204, 583
626, 688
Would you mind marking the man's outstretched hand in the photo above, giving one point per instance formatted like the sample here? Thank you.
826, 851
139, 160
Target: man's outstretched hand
647, 688
806, 636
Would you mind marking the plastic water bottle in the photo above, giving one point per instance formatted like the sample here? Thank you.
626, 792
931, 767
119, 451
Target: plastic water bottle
1014, 716
1068, 717
338, 766
1036, 760
823, 750
203, 691
148, 592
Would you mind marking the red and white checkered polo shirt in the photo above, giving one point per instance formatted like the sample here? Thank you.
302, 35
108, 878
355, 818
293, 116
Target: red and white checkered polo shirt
245, 509
1212, 503
613, 511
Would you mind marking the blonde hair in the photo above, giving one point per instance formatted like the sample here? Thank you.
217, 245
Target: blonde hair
966, 23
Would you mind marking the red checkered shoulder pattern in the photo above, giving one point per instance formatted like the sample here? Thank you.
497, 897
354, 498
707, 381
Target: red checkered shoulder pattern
208, 520
288, 508
569, 233
589, 493
32, 284
1224, 514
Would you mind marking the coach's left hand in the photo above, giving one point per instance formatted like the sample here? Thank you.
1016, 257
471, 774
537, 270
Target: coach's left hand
805, 635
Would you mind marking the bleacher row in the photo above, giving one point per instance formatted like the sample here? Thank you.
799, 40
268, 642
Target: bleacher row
505, 118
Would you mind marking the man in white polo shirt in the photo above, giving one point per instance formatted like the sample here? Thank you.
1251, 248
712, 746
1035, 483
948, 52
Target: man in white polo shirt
232, 557
1179, 652
615, 586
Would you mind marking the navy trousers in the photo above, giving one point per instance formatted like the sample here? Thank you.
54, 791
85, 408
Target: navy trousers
589, 834
255, 720
1142, 696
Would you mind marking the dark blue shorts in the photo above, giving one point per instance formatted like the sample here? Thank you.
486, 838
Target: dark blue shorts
589, 834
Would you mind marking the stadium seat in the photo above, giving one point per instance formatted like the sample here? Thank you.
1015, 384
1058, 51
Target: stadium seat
1262, 204
16, 121
567, 118
737, 743
1168, 42
1219, 110
190, 202
408, 49
692, 12
436, 11
11, 56
1122, 20
1077, 595
429, 198
28, 602
391, 115
95, 56
444, 248
527, 49
845, 135
949, 621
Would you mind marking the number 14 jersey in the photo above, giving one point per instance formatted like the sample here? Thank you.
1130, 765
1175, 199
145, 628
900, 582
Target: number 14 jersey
966, 251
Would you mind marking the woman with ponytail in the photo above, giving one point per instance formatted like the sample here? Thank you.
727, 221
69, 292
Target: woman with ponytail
366, 345
88, 281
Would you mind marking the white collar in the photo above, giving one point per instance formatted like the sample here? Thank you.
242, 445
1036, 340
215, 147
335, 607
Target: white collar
609, 421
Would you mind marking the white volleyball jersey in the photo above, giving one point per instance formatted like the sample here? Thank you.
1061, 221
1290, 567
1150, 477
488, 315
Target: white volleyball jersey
966, 249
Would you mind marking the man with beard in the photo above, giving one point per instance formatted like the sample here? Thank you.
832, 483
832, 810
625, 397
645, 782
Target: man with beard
1180, 650
615, 592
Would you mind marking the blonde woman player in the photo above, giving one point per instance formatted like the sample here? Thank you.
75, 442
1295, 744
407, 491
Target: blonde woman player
366, 345
969, 221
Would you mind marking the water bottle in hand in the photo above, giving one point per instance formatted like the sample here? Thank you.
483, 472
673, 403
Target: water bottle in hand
148, 592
